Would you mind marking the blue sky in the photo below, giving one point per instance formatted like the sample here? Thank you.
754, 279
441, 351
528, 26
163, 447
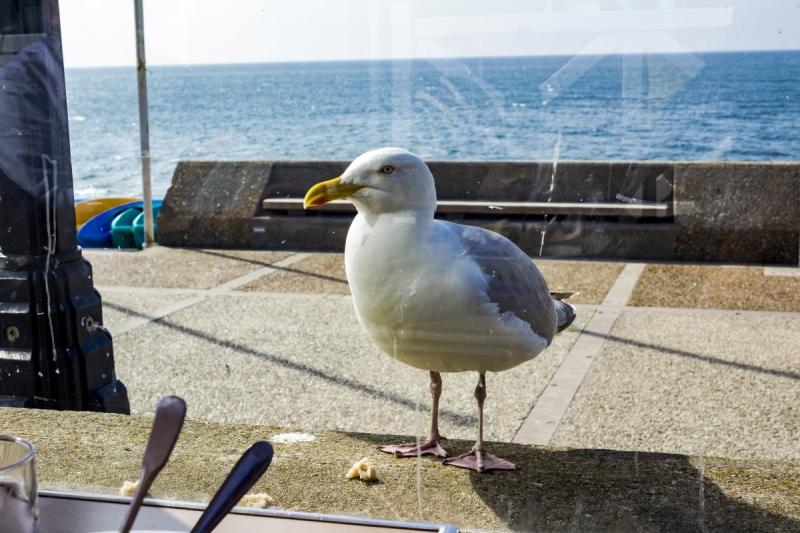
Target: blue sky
101, 32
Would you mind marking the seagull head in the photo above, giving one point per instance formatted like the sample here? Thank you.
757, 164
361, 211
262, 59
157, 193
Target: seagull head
387, 180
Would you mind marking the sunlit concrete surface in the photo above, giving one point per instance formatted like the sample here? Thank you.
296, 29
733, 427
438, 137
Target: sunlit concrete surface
320, 273
304, 361
556, 489
686, 382
591, 279
175, 268
719, 287
325, 273
685, 420
122, 303
285, 348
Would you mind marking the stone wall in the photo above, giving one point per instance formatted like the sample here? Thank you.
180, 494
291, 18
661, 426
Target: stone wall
721, 212
737, 212
212, 203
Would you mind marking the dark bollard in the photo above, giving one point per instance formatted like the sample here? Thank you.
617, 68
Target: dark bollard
53, 352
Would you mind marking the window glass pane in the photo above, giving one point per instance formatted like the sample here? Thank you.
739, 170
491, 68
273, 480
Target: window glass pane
372, 217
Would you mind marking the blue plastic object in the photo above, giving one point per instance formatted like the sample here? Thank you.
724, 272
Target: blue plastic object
96, 233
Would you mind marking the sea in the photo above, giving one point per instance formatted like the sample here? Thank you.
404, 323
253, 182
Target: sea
739, 106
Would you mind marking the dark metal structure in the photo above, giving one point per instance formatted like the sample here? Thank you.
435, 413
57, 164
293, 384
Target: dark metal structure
54, 352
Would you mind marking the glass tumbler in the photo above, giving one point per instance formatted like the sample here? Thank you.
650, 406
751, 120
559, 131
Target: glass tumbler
19, 501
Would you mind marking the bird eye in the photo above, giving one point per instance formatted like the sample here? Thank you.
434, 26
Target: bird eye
387, 169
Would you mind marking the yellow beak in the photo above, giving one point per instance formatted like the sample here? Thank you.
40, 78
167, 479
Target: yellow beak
322, 193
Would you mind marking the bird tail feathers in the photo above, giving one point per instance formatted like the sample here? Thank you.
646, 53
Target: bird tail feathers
566, 315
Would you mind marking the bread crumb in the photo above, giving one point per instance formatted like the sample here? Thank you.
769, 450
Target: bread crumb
292, 438
128, 488
363, 471
256, 500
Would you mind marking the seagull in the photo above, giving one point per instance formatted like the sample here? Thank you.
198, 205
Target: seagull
435, 295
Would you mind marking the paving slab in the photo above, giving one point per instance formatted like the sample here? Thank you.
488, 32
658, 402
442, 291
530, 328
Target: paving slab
717, 287
325, 273
175, 267
693, 383
592, 279
120, 304
303, 360
792, 271
319, 273
556, 489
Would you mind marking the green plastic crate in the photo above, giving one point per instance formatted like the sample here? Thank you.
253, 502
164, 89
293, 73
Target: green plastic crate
138, 227
122, 228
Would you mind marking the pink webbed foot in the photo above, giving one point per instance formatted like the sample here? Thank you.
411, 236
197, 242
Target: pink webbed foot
480, 461
429, 447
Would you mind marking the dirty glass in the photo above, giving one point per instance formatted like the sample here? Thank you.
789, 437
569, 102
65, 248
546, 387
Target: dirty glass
567, 230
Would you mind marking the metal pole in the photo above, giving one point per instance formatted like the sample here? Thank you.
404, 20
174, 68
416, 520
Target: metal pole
144, 127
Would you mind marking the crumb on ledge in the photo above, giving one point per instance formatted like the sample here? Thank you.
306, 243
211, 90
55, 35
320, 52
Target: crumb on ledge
363, 471
260, 500
128, 488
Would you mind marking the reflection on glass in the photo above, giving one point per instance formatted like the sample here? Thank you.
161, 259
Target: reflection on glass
641, 157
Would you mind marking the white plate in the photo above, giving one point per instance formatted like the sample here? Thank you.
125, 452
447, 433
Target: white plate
79, 513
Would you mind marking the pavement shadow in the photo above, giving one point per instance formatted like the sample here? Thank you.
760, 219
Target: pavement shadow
282, 269
223, 255
606, 490
298, 366
698, 357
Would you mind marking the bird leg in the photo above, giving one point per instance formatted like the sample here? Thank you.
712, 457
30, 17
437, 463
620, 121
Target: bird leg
479, 459
432, 446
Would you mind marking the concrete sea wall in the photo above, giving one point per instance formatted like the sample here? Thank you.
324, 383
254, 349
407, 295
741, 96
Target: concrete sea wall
712, 212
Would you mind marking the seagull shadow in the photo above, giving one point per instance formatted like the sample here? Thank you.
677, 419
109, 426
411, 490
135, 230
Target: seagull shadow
587, 490
607, 490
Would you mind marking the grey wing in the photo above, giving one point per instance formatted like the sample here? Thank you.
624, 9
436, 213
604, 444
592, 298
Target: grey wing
516, 284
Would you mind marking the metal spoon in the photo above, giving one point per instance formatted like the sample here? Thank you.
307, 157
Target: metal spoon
167, 425
250, 467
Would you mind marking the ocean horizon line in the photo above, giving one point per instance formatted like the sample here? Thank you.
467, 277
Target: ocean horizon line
428, 59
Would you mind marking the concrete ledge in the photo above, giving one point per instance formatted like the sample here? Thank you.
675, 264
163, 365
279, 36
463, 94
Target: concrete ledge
463, 207
570, 237
556, 489
737, 212
211, 202
720, 212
